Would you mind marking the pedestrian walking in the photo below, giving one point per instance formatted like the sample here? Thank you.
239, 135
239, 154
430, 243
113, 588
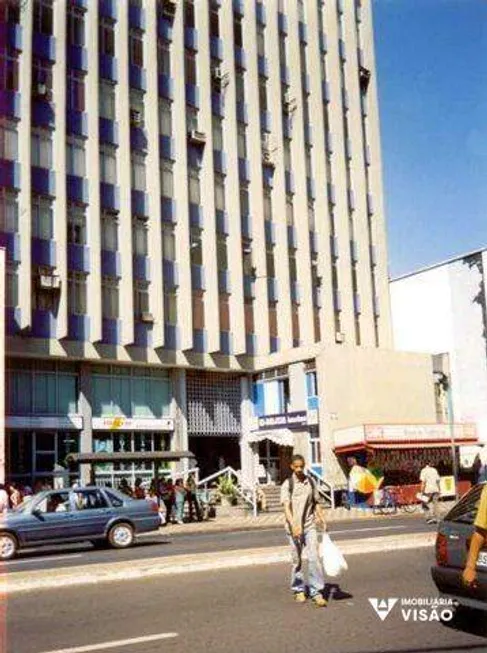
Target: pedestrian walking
15, 495
166, 492
304, 509
192, 498
478, 541
179, 500
430, 489
355, 473
138, 489
125, 487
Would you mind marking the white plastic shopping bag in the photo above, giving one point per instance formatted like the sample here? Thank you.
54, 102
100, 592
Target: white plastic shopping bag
334, 564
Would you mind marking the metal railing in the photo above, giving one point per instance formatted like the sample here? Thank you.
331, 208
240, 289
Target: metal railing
325, 488
247, 494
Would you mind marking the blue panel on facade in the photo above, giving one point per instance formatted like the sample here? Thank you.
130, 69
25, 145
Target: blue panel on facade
11, 35
313, 403
282, 22
325, 87
77, 189
222, 224
295, 292
219, 161
292, 239
303, 32
311, 188
108, 131
140, 203
112, 331
259, 402
44, 324
77, 123
287, 126
313, 242
138, 139
110, 197
11, 242
43, 181
79, 258
308, 134
226, 343
43, 252
337, 300
242, 113
334, 246
42, 113
224, 285
137, 77
79, 327
198, 277
240, 58
238, 7
143, 334
323, 42
108, 9
195, 156
274, 344
191, 38
136, 17
166, 86
82, 4
166, 147
108, 67
263, 66
196, 216
170, 271
216, 46
10, 104
172, 338
110, 263
341, 49
285, 77
272, 289
249, 286
217, 104
141, 268
268, 176
78, 57
168, 210
265, 121
192, 95
270, 232
329, 143
9, 174
200, 341
251, 344
289, 182
44, 46
247, 226
244, 170
12, 320
260, 12
331, 193
164, 28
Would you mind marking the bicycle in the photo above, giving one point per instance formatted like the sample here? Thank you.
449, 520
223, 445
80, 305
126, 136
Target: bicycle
393, 499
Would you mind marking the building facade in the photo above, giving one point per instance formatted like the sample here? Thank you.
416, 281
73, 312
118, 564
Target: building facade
191, 195
442, 310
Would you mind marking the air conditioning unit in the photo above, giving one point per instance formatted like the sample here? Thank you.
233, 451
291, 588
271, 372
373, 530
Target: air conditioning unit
339, 337
135, 117
147, 317
196, 137
49, 282
169, 8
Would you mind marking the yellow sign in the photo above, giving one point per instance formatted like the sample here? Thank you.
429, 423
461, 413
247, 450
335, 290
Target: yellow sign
447, 486
117, 423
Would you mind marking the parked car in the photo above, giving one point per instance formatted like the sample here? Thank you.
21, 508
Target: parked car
452, 546
99, 515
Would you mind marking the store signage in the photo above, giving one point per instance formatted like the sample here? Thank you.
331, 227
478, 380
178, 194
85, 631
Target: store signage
121, 423
42, 422
420, 432
287, 420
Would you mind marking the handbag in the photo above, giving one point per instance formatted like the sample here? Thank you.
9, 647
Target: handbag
334, 564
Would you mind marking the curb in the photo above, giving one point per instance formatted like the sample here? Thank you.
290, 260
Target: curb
182, 564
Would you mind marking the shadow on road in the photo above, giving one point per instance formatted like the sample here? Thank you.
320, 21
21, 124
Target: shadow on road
468, 620
333, 592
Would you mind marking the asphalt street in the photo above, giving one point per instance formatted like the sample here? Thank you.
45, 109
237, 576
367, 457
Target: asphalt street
153, 545
243, 611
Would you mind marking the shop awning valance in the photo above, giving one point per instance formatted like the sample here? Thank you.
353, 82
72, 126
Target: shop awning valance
128, 457
281, 437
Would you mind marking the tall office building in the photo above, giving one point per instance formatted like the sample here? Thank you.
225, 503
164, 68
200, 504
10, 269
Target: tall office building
192, 210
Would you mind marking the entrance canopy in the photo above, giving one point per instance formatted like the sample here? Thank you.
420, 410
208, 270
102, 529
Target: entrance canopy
403, 436
128, 457
281, 437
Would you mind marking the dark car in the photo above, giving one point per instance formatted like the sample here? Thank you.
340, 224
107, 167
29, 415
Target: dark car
99, 515
452, 546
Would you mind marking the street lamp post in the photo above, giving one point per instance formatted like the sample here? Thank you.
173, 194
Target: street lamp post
447, 387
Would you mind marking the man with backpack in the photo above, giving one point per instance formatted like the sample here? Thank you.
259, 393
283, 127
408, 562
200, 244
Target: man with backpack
304, 509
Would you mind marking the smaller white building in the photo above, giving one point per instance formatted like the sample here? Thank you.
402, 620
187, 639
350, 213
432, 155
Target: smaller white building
442, 310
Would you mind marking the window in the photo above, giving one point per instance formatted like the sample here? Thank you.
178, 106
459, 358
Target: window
267, 205
76, 293
260, 41
41, 150
90, 500
75, 158
240, 87
191, 118
311, 384
141, 297
41, 76
167, 180
109, 232
170, 308
9, 213
290, 213
194, 187
262, 94
76, 225
189, 14
41, 218
10, 12
168, 243
214, 23
196, 248
237, 32
137, 105
110, 300
75, 27
164, 58
219, 192
9, 71
108, 166
12, 287
107, 100
315, 443
75, 92
106, 43
42, 17
293, 268
136, 48
139, 237
217, 134
222, 253
190, 66
244, 201
165, 118
138, 173
43, 300
8, 143
241, 141
287, 154
282, 52
271, 267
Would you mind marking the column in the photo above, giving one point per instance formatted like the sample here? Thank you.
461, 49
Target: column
179, 411
86, 410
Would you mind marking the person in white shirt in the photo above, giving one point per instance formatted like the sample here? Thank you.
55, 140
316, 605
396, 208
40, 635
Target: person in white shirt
430, 488
4, 501
482, 477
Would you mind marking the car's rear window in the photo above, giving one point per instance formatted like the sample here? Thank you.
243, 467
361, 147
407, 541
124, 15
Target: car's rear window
465, 511
115, 499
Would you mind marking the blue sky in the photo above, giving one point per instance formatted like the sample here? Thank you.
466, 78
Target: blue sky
431, 58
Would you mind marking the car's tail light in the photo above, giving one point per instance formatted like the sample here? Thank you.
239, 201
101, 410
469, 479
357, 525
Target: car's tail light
441, 550
154, 507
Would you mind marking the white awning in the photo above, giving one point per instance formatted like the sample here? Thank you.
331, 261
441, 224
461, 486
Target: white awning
282, 437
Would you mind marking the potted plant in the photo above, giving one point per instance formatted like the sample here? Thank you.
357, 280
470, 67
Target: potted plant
227, 490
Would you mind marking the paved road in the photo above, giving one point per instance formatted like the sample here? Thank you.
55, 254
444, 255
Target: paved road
159, 544
244, 611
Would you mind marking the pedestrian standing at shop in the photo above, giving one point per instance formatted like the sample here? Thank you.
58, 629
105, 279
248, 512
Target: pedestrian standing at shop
354, 475
192, 498
430, 489
179, 500
304, 510
166, 492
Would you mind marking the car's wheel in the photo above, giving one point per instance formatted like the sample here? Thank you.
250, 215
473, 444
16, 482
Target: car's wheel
8, 546
121, 536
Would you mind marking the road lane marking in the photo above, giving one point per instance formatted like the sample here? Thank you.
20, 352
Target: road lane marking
121, 642
372, 528
25, 561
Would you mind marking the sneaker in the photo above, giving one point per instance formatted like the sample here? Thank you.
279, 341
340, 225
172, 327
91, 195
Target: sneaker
319, 601
432, 521
300, 597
